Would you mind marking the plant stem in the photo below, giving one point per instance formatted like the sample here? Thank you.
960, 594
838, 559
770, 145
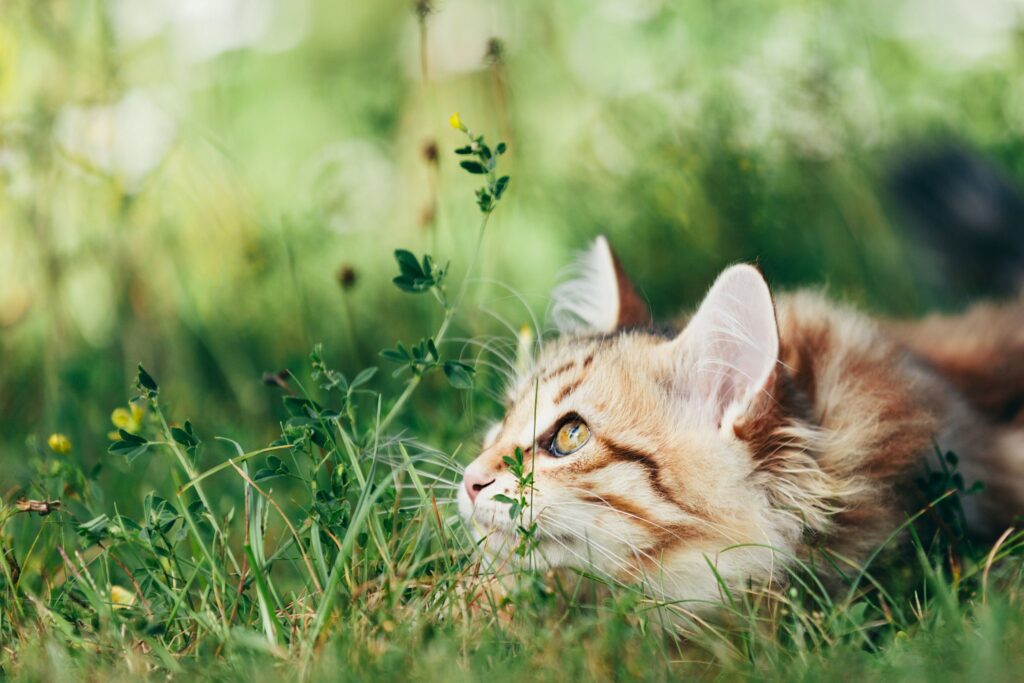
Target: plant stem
192, 475
449, 314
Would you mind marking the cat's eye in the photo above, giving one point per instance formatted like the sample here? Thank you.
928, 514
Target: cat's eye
570, 437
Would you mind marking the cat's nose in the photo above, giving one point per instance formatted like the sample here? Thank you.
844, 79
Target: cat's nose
475, 481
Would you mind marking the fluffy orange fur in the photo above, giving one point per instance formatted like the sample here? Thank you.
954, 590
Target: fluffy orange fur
766, 429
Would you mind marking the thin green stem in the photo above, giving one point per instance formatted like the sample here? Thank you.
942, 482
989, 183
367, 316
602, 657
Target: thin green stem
192, 475
228, 463
449, 315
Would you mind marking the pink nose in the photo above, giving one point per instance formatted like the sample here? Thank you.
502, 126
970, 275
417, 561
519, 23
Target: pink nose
475, 481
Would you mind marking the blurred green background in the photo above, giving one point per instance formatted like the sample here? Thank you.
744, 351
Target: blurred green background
183, 182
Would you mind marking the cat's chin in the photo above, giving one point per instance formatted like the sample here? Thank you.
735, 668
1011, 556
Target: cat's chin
500, 542
484, 522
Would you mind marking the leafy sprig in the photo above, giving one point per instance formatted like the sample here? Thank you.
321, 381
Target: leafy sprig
416, 277
483, 161
423, 357
518, 506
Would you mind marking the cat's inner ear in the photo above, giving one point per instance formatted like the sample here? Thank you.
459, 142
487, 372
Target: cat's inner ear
598, 296
729, 350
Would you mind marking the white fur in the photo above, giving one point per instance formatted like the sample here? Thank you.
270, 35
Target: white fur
588, 301
731, 345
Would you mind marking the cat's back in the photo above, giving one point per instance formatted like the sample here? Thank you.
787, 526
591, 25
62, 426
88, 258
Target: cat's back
979, 356
884, 407
870, 412
860, 383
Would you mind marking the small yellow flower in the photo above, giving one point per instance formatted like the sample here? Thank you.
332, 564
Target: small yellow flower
524, 349
121, 418
121, 598
128, 419
456, 122
59, 443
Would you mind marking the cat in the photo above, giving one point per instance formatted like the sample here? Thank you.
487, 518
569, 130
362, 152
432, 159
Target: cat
767, 427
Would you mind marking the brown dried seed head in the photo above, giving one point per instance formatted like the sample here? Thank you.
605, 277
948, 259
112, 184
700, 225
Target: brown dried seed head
347, 277
495, 51
423, 8
276, 379
430, 152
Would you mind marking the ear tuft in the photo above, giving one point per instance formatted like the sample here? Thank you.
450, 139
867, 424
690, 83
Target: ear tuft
731, 344
597, 297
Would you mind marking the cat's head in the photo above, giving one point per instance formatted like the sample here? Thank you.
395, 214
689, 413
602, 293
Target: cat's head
643, 445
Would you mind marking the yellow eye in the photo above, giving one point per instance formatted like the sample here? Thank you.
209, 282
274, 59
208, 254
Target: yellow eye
571, 437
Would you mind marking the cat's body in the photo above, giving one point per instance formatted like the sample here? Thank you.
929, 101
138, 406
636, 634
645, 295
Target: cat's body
764, 429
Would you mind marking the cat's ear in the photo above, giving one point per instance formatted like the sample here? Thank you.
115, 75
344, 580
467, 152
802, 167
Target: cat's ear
730, 348
598, 296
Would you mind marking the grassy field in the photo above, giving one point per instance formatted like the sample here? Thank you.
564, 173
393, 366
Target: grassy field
210, 469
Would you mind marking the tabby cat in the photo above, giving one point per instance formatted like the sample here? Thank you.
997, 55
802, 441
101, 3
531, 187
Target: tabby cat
766, 426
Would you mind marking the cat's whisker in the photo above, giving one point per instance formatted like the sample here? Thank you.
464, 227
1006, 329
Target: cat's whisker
457, 471
615, 560
498, 396
726, 533
428, 458
431, 499
607, 507
590, 541
515, 294
502, 349
491, 346
424, 505
620, 565
437, 478
439, 494
506, 365
507, 376
579, 503
633, 548
640, 555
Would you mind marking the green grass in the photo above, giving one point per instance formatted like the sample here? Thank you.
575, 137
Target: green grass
370, 577
301, 526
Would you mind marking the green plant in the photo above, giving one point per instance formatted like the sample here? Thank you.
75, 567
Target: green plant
361, 509
519, 507
418, 276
